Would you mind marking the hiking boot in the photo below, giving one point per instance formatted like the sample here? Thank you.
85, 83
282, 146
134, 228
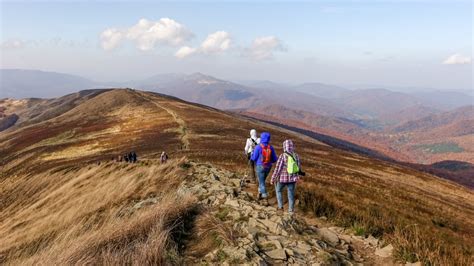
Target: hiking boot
259, 197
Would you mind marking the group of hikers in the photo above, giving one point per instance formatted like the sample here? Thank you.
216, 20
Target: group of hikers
261, 156
130, 157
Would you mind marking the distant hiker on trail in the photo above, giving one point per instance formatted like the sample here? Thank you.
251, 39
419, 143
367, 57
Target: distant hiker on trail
250, 145
163, 157
130, 157
134, 157
287, 173
125, 158
264, 156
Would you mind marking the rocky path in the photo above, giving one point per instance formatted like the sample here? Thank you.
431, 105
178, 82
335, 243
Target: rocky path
268, 237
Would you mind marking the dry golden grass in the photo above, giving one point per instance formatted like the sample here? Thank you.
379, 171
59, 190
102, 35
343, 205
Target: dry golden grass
87, 215
208, 234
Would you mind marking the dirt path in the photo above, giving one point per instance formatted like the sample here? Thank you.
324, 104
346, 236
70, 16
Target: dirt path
182, 129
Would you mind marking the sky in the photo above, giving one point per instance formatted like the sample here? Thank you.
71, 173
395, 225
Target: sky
426, 44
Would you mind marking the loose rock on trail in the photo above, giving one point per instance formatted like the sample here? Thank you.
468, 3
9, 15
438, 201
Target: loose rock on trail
266, 237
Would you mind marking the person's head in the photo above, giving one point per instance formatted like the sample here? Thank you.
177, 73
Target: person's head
253, 134
288, 146
265, 138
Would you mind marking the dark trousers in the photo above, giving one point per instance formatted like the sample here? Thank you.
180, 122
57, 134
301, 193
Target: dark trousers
251, 169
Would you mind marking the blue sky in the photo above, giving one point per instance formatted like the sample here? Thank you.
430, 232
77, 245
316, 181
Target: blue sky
395, 43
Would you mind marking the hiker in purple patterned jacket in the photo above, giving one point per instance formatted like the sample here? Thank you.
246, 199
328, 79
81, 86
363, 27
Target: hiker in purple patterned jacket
281, 177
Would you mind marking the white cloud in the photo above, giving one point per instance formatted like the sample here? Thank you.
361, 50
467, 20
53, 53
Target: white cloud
457, 59
185, 51
147, 34
13, 44
110, 38
216, 42
263, 48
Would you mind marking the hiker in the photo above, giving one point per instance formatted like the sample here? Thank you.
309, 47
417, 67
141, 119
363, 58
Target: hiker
264, 156
163, 157
130, 157
125, 157
134, 157
250, 145
287, 173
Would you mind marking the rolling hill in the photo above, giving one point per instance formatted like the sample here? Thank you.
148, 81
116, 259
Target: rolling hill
64, 199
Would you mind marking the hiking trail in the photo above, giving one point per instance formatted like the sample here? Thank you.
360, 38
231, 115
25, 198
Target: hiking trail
182, 127
266, 237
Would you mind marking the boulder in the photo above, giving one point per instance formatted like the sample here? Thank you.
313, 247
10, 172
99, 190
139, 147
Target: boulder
272, 226
235, 215
289, 252
255, 223
270, 245
277, 254
300, 251
277, 219
329, 236
372, 241
346, 238
303, 245
233, 203
384, 252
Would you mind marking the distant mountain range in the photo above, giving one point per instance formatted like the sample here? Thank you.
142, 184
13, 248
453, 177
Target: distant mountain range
19, 83
420, 126
322, 98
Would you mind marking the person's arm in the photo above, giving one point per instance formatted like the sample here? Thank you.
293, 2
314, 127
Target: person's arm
278, 168
255, 154
274, 155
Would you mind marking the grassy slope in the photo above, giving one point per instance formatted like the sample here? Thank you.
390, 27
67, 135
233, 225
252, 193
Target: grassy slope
90, 215
434, 216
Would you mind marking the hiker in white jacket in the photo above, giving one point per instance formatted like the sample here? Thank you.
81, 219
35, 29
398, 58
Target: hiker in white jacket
249, 147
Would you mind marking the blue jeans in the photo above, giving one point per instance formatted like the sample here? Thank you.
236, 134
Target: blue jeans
262, 173
291, 195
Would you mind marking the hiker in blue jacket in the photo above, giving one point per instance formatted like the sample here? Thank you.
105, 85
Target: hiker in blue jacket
264, 156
